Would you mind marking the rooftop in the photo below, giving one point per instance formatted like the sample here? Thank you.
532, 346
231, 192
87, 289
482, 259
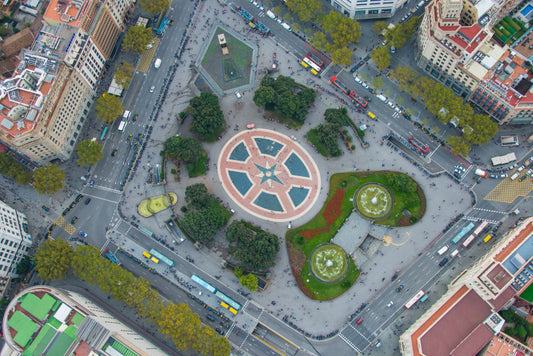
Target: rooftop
66, 11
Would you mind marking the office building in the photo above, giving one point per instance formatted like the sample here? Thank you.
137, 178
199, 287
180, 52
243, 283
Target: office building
15, 241
43, 320
465, 319
368, 9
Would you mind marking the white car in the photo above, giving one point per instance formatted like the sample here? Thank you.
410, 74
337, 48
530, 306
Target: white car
357, 80
152, 88
521, 168
364, 85
390, 304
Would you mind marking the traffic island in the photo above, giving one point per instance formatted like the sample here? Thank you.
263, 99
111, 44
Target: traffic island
390, 198
154, 205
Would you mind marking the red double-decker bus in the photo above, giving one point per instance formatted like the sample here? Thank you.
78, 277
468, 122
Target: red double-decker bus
358, 99
315, 59
340, 85
419, 145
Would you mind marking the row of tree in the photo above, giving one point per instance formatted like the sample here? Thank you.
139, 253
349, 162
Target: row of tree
9, 167
336, 32
254, 248
54, 259
441, 101
204, 215
285, 96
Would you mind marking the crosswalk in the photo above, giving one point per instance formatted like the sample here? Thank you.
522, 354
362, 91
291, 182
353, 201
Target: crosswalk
62, 223
345, 339
147, 56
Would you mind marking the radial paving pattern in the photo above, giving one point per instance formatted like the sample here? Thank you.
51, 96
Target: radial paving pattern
269, 175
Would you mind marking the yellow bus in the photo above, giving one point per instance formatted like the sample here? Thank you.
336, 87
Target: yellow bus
314, 72
155, 260
224, 305
370, 115
305, 65
146, 254
233, 311
487, 238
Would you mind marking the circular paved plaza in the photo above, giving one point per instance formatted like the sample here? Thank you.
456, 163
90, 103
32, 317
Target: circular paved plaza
268, 175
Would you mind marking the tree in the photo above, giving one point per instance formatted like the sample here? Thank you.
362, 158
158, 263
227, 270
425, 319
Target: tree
319, 40
405, 76
377, 83
10, 167
249, 281
208, 119
48, 179
287, 17
187, 149
264, 96
296, 27
401, 182
124, 74
342, 56
379, 26
277, 10
23, 177
202, 225
381, 57
108, 107
197, 197
337, 116
90, 152
53, 259
154, 7
459, 145
136, 39
306, 10
343, 30
327, 135
255, 249
23, 266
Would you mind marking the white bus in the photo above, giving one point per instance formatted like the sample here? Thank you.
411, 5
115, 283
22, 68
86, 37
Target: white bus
468, 240
312, 64
126, 115
415, 299
481, 227
122, 125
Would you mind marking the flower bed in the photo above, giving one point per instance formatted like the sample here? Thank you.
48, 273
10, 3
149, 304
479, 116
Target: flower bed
334, 207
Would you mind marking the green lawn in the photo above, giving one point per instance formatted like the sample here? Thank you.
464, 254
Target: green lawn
349, 182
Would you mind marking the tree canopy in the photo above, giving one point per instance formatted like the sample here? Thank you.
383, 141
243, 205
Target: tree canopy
255, 249
249, 281
53, 259
306, 10
187, 149
401, 182
325, 137
154, 7
204, 215
108, 108
136, 39
124, 73
337, 116
286, 96
89, 152
381, 57
208, 119
9, 167
401, 33
48, 179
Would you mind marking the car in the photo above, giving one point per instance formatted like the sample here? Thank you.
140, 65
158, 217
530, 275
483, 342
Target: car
83, 234
87, 201
504, 175
393, 49
457, 175
357, 80
91, 183
114, 153
45, 208
358, 322
460, 168
521, 168
390, 304
364, 85
130, 137
529, 171
152, 88
238, 95
399, 288
493, 176
476, 179
443, 262
371, 90
394, 276
367, 98
139, 136
74, 219
219, 331
135, 118
522, 178
210, 317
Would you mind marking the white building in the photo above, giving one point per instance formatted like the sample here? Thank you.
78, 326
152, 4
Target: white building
15, 241
368, 9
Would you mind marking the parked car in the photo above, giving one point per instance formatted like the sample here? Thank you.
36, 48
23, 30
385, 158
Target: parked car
45, 208
114, 153
358, 322
74, 219
91, 183
83, 234
87, 201
443, 262
210, 317
390, 304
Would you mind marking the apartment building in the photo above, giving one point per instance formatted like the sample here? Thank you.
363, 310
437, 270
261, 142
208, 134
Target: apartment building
368, 9
453, 43
70, 52
465, 320
15, 241
505, 92
42, 320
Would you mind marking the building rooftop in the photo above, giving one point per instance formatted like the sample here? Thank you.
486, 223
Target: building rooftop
66, 11
22, 96
44, 321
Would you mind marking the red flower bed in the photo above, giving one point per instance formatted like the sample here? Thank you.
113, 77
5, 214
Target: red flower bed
334, 208
309, 234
